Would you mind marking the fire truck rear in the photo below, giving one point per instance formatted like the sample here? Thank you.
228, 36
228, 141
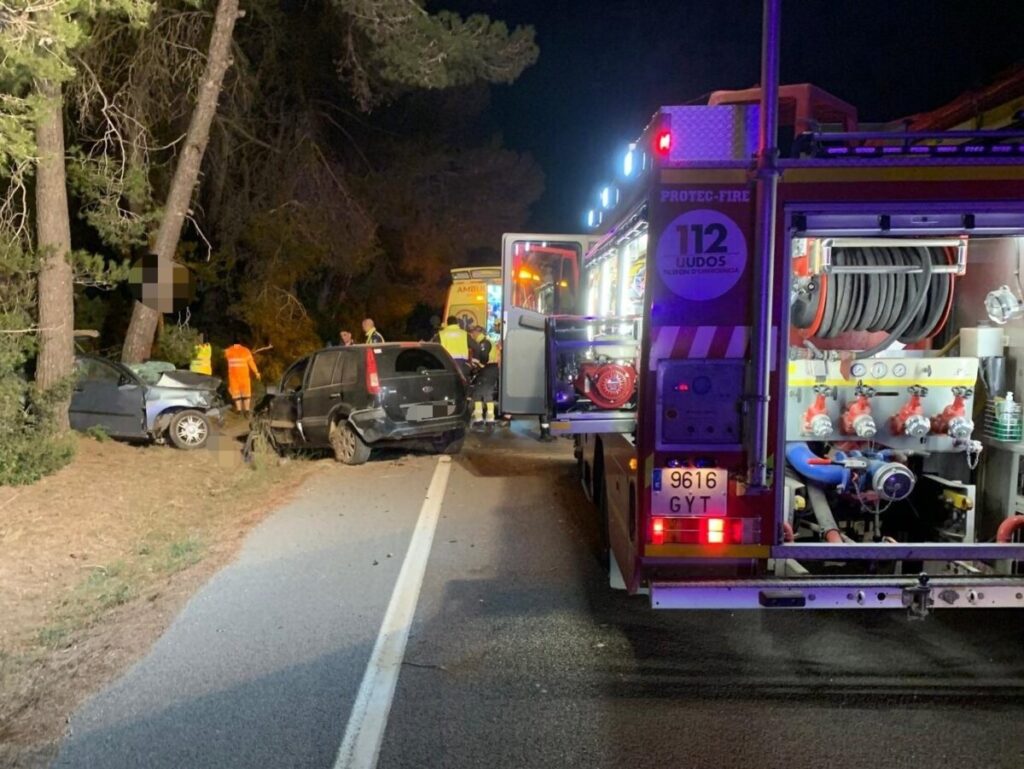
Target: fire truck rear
827, 420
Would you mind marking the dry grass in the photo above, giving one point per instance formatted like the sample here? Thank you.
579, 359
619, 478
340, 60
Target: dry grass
95, 561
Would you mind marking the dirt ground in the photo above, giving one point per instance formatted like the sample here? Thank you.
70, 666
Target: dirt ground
96, 560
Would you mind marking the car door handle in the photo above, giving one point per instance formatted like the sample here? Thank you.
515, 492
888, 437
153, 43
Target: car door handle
335, 396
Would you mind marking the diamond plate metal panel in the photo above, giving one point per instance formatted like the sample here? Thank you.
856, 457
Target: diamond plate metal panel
703, 134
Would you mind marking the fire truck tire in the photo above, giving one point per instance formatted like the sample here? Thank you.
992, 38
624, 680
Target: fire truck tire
601, 500
604, 546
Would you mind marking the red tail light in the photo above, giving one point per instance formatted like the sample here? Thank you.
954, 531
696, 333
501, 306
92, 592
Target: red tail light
657, 531
372, 380
663, 142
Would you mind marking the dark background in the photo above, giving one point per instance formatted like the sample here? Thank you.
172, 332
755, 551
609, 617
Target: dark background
606, 66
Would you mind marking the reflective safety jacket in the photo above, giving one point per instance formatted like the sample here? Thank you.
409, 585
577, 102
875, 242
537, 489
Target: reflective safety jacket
455, 340
240, 363
202, 359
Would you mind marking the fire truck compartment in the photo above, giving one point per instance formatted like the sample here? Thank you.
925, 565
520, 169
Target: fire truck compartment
793, 383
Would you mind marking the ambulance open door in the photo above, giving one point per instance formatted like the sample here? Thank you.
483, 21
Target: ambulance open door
540, 279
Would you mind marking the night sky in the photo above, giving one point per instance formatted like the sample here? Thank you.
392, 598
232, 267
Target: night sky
606, 66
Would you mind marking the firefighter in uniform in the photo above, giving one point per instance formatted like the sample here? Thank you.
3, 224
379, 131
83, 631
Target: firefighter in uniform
455, 340
240, 364
202, 357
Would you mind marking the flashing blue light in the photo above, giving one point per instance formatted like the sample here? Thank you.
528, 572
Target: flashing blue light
627, 163
606, 197
591, 217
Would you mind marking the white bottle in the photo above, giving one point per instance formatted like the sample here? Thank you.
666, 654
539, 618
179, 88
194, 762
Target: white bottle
1009, 424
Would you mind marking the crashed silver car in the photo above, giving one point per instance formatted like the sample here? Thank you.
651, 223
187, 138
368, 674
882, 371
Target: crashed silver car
151, 402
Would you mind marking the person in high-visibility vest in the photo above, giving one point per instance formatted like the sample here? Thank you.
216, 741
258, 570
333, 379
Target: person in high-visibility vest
240, 364
455, 340
373, 336
202, 357
485, 384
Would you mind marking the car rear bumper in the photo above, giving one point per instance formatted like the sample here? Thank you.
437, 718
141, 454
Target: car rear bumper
375, 425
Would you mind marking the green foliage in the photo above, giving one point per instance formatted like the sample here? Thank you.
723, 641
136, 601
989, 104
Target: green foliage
105, 186
98, 433
405, 46
98, 271
176, 344
29, 446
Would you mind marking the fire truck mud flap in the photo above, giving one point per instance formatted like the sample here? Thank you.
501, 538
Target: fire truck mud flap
915, 594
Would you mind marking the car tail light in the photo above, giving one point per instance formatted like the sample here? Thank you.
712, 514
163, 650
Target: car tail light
657, 531
372, 380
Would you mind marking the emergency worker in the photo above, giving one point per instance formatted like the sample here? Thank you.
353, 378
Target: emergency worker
373, 336
202, 357
240, 364
456, 341
485, 385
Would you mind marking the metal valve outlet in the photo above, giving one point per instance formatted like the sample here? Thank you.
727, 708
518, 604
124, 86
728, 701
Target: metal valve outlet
917, 426
820, 426
960, 428
864, 426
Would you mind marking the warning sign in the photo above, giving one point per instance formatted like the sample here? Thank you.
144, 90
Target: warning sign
701, 255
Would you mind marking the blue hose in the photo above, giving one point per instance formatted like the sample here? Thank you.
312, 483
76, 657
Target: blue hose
799, 455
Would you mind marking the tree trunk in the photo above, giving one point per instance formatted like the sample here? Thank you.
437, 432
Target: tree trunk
138, 343
56, 360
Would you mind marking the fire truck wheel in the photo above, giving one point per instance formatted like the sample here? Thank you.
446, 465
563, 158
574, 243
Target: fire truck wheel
348, 447
604, 546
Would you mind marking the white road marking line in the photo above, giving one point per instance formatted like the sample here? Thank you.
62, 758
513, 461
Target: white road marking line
364, 734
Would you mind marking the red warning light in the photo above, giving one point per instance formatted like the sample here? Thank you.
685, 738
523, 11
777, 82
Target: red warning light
663, 142
657, 531
683, 387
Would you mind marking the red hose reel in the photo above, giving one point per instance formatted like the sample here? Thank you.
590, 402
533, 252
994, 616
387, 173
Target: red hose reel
607, 385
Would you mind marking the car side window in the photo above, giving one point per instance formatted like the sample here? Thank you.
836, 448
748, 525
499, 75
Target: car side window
347, 372
323, 369
92, 370
292, 381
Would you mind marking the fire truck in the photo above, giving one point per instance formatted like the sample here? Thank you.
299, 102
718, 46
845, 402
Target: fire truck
791, 357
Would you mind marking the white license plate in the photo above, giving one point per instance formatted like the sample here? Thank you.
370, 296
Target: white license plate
689, 491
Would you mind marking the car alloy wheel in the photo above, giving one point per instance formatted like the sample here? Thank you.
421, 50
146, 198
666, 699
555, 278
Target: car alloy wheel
189, 430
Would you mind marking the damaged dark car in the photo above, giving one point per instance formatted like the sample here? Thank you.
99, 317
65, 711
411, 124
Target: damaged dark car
354, 399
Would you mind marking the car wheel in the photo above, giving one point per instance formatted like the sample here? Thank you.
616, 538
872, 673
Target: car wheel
348, 446
189, 429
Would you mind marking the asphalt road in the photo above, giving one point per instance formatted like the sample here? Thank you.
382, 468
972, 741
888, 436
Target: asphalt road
521, 656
